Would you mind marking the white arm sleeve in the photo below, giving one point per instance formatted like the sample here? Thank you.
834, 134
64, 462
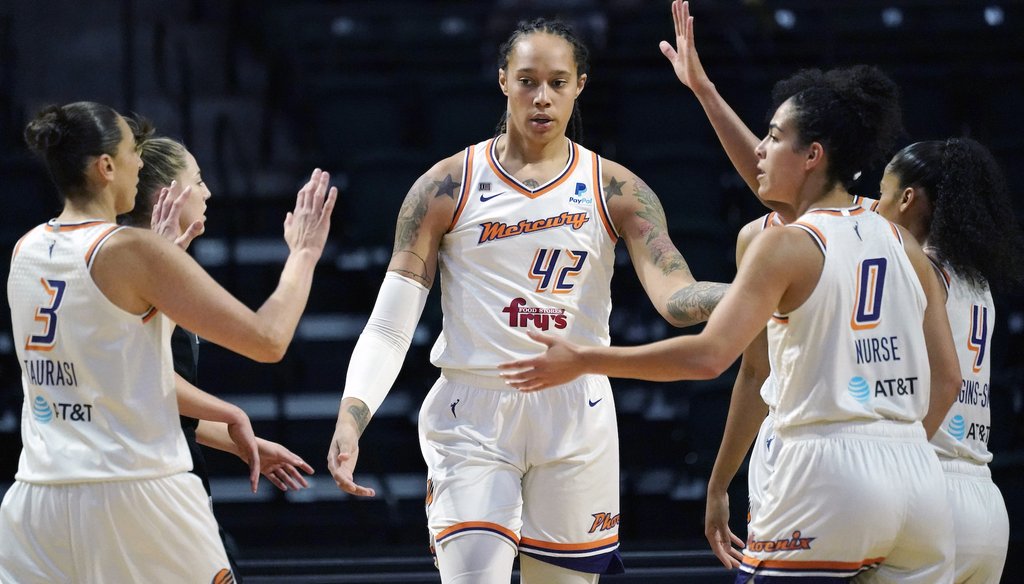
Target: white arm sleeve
381, 347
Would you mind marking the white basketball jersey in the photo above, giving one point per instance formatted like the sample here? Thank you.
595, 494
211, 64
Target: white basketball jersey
769, 391
855, 349
518, 259
972, 313
100, 403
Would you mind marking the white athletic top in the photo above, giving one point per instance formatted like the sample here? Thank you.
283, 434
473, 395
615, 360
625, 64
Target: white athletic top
100, 403
769, 391
855, 349
972, 313
517, 259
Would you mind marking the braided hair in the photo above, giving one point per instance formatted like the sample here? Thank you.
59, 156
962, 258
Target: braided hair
580, 53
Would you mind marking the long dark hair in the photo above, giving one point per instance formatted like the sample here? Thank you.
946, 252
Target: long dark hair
67, 136
854, 113
973, 228
574, 129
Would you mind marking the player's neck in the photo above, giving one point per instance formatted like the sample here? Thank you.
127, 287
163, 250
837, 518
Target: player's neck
515, 150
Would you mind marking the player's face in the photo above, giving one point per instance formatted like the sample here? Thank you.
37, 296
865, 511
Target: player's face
890, 194
541, 85
782, 165
127, 164
195, 208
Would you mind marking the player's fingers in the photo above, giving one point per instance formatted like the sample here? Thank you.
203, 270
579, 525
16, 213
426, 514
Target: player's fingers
668, 50
736, 540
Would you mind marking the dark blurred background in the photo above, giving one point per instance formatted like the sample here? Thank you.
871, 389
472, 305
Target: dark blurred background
375, 92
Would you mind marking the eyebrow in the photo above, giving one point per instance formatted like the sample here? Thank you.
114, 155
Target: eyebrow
558, 73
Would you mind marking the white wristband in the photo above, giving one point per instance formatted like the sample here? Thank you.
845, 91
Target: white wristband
381, 348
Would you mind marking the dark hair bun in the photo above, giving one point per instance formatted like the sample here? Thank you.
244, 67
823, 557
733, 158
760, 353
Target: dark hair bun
47, 130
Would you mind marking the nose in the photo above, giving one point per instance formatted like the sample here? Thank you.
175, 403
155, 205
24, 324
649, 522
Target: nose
541, 98
759, 150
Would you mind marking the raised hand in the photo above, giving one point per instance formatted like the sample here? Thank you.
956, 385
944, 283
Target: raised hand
306, 227
560, 363
166, 217
683, 56
716, 529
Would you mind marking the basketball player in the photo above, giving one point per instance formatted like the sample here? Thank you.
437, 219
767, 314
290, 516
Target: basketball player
102, 491
859, 347
522, 228
952, 196
970, 220
172, 200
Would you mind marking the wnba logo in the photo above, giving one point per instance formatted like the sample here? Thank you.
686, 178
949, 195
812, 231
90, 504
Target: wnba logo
859, 389
41, 410
957, 427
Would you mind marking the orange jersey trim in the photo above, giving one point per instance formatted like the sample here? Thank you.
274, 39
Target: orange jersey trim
467, 177
148, 316
896, 232
511, 181
17, 246
814, 232
99, 240
809, 565
780, 319
476, 526
602, 209
570, 547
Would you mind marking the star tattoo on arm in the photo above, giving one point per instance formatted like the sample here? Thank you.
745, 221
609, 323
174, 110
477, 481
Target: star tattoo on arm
614, 187
446, 187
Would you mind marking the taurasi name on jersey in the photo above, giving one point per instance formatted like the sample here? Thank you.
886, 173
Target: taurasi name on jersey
46, 372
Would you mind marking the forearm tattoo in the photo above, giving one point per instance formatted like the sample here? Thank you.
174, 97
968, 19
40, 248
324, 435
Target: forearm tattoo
694, 303
361, 414
654, 229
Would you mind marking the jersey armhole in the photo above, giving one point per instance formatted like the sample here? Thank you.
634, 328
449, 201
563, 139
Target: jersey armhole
467, 177
602, 205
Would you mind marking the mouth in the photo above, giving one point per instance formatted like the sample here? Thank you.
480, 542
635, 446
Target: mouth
541, 122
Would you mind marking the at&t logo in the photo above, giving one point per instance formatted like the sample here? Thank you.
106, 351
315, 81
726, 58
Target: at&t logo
859, 389
957, 427
41, 410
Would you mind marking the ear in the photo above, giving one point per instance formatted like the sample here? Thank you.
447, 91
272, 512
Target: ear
907, 199
104, 167
580, 83
815, 156
503, 81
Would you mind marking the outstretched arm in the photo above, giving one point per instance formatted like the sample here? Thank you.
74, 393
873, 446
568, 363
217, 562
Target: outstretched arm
280, 465
776, 274
196, 403
640, 220
138, 270
736, 138
377, 358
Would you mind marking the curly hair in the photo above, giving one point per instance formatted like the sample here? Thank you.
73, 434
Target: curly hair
853, 112
973, 228
580, 53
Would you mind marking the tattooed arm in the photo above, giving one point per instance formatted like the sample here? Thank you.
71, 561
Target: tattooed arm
640, 220
378, 355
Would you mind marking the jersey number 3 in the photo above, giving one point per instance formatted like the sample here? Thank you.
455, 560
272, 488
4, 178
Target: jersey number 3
48, 316
867, 309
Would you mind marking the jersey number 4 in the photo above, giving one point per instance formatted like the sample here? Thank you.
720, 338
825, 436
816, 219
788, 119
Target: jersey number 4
48, 316
978, 337
551, 273
867, 310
